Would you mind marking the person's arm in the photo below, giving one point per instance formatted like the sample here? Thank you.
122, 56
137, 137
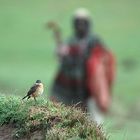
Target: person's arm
52, 25
61, 49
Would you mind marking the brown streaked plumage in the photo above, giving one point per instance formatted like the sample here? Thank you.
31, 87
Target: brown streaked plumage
36, 90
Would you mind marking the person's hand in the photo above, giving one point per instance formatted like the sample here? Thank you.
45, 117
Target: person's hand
52, 25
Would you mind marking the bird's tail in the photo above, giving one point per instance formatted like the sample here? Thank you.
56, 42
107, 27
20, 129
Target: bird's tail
24, 97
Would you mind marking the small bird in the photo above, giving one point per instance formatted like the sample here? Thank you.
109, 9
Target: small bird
36, 90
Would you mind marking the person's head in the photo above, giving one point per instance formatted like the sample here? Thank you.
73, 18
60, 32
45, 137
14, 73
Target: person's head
81, 23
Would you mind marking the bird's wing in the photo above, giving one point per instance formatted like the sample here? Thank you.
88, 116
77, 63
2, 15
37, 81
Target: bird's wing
32, 89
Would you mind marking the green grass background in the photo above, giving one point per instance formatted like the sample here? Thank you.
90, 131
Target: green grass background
27, 50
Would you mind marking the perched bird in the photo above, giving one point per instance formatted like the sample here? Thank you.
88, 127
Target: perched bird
36, 90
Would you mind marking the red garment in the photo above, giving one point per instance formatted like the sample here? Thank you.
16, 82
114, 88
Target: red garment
100, 75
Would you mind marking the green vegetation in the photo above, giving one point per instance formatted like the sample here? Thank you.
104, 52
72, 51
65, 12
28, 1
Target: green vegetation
27, 50
53, 121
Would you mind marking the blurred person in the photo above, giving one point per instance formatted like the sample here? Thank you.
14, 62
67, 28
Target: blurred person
86, 71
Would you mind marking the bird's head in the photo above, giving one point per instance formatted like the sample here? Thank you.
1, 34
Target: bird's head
38, 81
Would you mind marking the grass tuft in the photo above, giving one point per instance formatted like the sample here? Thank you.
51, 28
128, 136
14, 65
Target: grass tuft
50, 120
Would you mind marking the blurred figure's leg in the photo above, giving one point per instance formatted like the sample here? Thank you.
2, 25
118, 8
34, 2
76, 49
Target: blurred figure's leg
95, 112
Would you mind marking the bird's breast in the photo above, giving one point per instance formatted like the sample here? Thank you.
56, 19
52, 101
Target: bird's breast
38, 91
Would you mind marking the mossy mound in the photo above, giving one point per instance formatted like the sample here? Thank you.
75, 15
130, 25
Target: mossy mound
46, 120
